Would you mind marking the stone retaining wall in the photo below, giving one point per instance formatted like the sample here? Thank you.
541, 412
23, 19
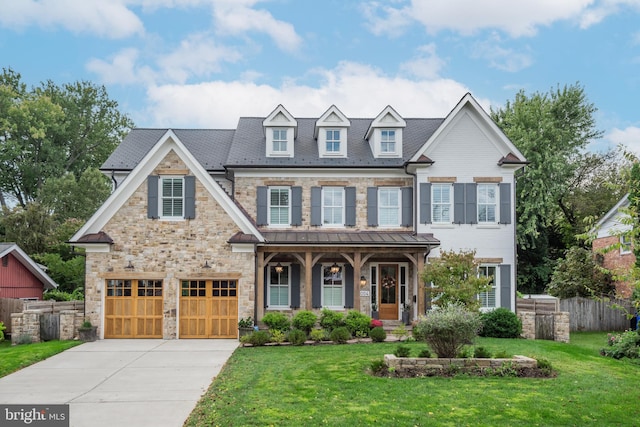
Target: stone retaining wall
561, 325
400, 364
27, 324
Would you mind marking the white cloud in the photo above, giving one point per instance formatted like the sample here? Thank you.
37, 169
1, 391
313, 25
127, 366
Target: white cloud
426, 65
628, 137
122, 68
499, 57
604, 8
109, 19
237, 17
516, 18
358, 90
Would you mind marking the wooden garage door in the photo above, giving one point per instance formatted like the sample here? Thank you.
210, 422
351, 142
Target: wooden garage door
209, 309
133, 309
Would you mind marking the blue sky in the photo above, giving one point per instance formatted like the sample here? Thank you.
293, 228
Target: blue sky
204, 63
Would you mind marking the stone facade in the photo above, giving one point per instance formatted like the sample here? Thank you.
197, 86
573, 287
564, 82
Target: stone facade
170, 251
618, 263
25, 324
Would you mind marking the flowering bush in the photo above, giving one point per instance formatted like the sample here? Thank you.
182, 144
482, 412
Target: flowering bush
375, 323
626, 344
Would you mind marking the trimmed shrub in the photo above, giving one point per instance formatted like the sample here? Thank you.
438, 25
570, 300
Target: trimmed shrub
277, 321
378, 334
448, 329
426, 353
357, 323
481, 353
330, 319
277, 336
378, 366
340, 335
318, 335
304, 320
259, 338
502, 354
402, 351
296, 337
501, 323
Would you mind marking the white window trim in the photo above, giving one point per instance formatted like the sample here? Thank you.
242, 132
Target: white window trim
271, 225
161, 199
278, 307
398, 208
496, 280
269, 141
322, 142
397, 146
344, 211
333, 307
497, 204
624, 244
433, 204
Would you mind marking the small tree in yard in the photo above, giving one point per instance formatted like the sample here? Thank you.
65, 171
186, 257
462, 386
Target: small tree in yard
578, 275
448, 329
455, 279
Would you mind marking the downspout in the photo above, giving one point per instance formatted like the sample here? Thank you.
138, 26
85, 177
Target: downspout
113, 178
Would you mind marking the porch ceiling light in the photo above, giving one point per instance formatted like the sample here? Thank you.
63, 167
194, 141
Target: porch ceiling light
335, 268
279, 268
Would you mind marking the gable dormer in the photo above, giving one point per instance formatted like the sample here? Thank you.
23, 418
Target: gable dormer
280, 130
331, 133
385, 134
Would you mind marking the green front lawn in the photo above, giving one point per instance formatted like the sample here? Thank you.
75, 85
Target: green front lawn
13, 358
329, 385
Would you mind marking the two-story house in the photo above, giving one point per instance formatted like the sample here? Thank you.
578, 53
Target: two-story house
286, 213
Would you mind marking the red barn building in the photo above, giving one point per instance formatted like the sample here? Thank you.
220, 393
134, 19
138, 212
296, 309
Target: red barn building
20, 276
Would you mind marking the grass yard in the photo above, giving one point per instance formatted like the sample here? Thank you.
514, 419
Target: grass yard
13, 358
328, 385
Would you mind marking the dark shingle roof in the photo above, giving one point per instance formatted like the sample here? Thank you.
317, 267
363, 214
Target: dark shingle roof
245, 146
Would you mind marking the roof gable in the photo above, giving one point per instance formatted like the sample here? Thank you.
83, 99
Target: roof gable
169, 142
468, 108
333, 117
611, 222
28, 263
388, 118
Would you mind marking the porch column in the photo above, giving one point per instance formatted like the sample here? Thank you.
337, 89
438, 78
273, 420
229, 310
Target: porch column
356, 280
260, 288
307, 280
419, 267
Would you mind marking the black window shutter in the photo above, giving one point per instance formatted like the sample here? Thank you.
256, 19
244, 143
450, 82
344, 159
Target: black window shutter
425, 203
261, 216
458, 203
505, 286
505, 203
295, 286
471, 210
407, 206
316, 206
189, 197
348, 286
296, 205
316, 286
350, 206
152, 196
372, 206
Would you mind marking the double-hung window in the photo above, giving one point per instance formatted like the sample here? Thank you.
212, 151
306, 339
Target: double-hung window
625, 243
172, 197
332, 286
279, 206
279, 285
488, 298
388, 141
487, 203
389, 207
441, 203
279, 140
333, 206
333, 141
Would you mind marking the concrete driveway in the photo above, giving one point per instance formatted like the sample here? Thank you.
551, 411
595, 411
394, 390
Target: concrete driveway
116, 383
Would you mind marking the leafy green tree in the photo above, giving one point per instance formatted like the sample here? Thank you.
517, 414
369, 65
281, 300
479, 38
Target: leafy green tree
68, 274
454, 279
578, 275
551, 130
29, 227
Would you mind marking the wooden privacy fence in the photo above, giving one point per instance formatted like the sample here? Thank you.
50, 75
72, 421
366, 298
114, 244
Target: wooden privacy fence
8, 306
597, 315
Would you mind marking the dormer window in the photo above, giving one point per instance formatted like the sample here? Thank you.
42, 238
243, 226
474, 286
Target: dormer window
331, 133
385, 134
280, 131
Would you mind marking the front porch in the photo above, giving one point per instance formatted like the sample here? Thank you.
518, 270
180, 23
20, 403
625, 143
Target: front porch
342, 271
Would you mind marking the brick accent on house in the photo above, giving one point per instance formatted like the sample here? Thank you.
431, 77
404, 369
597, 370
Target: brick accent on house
616, 262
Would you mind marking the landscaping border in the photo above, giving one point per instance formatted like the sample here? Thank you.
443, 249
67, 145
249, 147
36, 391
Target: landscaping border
405, 364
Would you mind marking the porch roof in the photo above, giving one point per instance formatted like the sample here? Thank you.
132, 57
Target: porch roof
350, 238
